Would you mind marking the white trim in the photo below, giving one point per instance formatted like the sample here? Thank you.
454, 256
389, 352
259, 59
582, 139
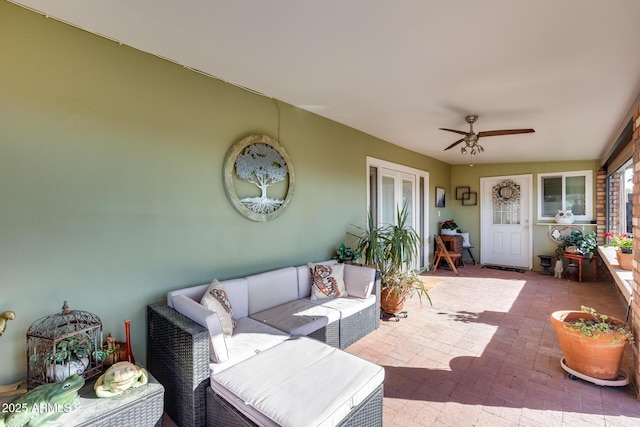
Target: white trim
588, 197
423, 210
622, 278
528, 222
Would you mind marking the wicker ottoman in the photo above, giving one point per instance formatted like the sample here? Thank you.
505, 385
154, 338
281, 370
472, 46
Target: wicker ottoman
298, 383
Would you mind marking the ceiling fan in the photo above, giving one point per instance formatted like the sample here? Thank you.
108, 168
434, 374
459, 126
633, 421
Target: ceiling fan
471, 138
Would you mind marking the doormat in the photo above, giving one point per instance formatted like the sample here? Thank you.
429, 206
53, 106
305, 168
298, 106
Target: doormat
504, 268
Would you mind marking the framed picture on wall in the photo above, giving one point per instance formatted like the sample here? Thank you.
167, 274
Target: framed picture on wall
472, 200
462, 193
440, 197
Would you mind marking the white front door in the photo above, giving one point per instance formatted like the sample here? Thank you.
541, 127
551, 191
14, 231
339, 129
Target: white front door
505, 216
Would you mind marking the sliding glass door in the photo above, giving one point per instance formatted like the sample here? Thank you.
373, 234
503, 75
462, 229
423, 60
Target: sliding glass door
394, 186
397, 189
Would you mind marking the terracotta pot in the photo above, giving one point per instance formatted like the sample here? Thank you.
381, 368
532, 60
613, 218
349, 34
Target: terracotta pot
391, 302
595, 357
625, 260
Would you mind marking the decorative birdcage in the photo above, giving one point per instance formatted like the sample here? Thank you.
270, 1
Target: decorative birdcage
60, 345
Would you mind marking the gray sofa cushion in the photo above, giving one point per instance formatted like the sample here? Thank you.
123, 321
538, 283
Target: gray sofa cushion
299, 317
272, 288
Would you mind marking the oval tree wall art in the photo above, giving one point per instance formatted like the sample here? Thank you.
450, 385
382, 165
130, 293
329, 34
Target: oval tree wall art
252, 166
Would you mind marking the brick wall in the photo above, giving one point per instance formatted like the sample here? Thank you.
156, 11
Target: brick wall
601, 205
615, 203
635, 304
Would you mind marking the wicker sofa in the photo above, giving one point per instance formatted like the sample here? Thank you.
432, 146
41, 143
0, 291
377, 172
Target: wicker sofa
202, 371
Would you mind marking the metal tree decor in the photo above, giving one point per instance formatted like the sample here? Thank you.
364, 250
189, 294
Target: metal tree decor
261, 161
261, 165
64, 344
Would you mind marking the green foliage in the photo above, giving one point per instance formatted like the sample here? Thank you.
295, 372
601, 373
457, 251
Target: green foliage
76, 347
449, 224
594, 325
624, 242
584, 244
405, 284
369, 243
393, 250
345, 252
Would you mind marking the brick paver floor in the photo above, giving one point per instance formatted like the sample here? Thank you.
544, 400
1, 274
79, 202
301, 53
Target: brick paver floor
485, 354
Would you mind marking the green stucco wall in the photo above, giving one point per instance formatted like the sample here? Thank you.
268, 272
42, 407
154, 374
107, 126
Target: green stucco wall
468, 217
111, 190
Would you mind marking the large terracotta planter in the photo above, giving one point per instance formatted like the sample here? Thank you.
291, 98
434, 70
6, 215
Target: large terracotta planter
625, 261
594, 357
391, 302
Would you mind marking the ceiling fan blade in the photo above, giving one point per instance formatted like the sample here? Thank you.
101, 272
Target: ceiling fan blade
504, 132
454, 144
456, 131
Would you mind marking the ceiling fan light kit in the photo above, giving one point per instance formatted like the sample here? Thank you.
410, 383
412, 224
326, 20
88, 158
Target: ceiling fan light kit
470, 138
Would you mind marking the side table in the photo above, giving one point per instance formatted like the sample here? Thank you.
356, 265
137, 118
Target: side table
137, 407
581, 258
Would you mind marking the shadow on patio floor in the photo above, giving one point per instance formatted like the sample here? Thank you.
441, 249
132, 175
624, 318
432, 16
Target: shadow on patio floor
485, 353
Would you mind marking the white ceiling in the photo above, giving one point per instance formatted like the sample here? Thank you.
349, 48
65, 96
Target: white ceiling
399, 70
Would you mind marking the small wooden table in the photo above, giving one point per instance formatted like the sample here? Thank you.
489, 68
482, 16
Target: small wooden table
580, 258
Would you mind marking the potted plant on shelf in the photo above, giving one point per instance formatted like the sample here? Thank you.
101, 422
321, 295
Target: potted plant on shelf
577, 243
393, 250
346, 253
449, 228
592, 343
624, 249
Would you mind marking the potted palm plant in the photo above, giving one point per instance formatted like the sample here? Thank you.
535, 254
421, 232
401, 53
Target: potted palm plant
393, 249
592, 343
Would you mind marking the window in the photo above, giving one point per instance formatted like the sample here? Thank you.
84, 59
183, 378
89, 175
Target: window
620, 200
566, 191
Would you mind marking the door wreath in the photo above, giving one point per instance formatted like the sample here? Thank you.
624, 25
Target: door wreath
505, 192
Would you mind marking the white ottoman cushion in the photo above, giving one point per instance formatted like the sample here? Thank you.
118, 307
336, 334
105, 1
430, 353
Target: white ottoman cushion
249, 338
299, 382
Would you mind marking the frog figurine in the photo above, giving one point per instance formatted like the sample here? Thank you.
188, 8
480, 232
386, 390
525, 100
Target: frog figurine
43, 404
119, 377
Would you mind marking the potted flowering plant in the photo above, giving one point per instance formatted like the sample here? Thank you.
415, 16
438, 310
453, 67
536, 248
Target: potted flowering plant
624, 249
449, 228
623, 242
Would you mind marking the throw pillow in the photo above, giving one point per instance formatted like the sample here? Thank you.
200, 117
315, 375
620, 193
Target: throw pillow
327, 281
215, 299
